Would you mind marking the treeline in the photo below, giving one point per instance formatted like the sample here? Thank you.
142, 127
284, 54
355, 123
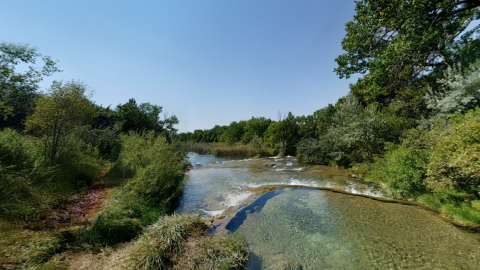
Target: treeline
56, 142
412, 122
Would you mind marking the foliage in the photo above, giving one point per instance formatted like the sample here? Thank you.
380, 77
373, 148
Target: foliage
21, 165
144, 117
402, 169
314, 151
357, 134
256, 126
257, 143
461, 92
60, 115
18, 89
154, 181
455, 156
269, 138
398, 41
233, 133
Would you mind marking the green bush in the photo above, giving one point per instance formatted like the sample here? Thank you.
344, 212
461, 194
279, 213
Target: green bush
402, 169
455, 156
22, 170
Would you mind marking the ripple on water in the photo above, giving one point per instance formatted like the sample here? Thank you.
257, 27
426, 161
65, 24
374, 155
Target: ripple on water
315, 229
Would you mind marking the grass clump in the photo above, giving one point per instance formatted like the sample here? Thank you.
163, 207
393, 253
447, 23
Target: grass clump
180, 242
160, 241
227, 252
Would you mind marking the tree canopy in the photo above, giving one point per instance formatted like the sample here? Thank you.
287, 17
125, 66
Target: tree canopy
19, 78
59, 114
396, 42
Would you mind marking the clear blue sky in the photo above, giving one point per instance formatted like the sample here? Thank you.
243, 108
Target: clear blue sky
208, 62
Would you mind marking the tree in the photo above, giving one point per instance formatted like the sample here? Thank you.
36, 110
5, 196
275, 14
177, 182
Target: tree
396, 42
357, 133
18, 89
255, 126
60, 114
461, 92
145, 117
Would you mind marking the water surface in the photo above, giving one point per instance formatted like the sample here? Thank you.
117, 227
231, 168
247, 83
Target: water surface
290, 223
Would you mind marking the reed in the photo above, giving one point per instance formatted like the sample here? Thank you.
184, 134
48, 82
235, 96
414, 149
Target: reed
221, 149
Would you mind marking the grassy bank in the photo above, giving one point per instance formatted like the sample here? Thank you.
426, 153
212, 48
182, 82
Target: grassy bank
237, 149
438, 167
129, 217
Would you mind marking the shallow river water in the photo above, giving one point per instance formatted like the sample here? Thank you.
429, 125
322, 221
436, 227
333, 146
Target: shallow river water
296, 216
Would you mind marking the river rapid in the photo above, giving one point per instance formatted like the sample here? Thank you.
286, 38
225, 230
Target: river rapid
299, 216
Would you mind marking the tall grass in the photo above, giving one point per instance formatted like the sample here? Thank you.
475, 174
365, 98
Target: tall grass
153, 173
163, 245
238, 149
30, 181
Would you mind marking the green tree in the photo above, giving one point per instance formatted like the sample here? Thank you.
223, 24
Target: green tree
357, 133
234, 132
60, 114
396, 42
255, 126
145, 117
19, 84
461, 92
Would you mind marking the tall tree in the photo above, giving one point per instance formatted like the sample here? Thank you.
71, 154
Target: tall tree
19, 78
396, 42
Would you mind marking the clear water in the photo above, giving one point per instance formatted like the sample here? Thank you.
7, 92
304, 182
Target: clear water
291, 224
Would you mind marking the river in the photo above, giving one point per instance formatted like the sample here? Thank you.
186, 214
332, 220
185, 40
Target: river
299, 216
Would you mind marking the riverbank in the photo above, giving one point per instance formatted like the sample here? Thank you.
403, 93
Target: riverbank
458, 208
124, 220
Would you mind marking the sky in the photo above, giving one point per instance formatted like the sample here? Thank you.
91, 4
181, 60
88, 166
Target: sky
208, 62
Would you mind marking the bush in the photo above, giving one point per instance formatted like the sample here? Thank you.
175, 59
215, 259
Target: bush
402, 169
455, 157
22, 170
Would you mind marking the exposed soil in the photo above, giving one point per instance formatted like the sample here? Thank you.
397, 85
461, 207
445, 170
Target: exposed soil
78, 210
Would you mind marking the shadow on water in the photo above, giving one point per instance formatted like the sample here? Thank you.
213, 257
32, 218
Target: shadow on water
254, 207
254, 262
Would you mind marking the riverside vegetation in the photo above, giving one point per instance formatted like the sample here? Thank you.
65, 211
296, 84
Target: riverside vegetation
411, 124
84, 186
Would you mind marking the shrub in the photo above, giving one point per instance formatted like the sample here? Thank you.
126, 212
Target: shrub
455, 157
22, 170
402, 169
